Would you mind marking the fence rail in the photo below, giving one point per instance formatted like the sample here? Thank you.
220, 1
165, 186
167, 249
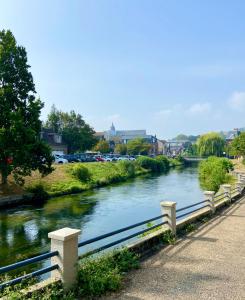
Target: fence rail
103, 236
193, 211
28, 261
29, 276
64, 239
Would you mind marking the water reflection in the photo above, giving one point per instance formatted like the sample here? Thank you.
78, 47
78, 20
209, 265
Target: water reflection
24, 231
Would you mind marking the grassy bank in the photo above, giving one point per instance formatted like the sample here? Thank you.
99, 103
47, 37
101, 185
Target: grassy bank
70, 178
75, 178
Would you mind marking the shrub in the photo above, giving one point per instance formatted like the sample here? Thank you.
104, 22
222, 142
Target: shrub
159, 164
81, 173
53, 291
127, 168
165, 164
99, 275
149, 163
39, 192
178, 161
213, 172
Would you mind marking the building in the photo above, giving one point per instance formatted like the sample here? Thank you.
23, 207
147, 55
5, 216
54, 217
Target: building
54, 140
124, 136
114, 137
162, 147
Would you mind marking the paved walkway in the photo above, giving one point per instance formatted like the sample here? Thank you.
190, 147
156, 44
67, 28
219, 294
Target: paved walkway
208, 264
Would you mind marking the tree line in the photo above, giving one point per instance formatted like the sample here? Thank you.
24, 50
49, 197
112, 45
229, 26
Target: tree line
214, 144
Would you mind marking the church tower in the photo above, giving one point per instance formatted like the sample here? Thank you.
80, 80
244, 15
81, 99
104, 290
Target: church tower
113, 129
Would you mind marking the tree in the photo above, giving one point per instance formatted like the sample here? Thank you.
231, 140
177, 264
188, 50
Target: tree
76, 133
191, 150
238, 145
138, 146
102, 146
121, 149
210, 144
181, 137
21, 149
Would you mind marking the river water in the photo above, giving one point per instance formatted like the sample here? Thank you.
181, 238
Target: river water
24, 230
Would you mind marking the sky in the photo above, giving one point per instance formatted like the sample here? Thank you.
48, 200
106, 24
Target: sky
166, 66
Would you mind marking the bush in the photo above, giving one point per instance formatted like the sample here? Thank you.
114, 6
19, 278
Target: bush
158, 164
149, 163
97, 276
53, 291
39, 192
81, 173
213, 172
127, 168
165, 164
178, 161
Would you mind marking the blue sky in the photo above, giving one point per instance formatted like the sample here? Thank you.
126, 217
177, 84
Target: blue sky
166, 66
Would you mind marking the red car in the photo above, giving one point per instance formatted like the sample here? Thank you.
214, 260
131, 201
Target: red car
98, 158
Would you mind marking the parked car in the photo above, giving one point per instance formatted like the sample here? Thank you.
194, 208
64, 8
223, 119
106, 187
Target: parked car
81, 157
99, 158
60, 160
90, 158
131, 158
122, 158
71, 158
107, 158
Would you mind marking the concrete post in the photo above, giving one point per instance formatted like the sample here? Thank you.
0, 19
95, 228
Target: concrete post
240, 177
169, 208
65, 241
227, 189
239, 186
209, 195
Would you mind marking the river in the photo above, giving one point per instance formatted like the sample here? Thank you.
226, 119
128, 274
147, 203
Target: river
24, 230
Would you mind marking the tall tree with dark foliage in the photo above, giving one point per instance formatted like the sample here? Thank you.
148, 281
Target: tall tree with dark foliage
21, 149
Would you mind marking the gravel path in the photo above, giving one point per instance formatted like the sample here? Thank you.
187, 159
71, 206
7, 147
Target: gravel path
208, 264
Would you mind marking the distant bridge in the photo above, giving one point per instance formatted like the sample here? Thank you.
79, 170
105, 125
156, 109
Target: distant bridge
194, 158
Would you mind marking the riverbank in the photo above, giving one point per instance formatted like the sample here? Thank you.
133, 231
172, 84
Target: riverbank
75, 178
25, 228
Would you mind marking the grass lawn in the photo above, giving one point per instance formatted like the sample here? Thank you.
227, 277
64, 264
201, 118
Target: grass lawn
61, 181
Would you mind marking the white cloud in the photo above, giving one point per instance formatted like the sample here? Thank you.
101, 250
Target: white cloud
199, 108
237, 101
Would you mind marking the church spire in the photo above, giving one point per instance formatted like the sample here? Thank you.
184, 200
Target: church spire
113, 127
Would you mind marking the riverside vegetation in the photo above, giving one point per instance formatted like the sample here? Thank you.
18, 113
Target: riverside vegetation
96, 276
79, 177
215, 171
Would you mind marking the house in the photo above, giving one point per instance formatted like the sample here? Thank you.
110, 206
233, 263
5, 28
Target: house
162, 148
54, 140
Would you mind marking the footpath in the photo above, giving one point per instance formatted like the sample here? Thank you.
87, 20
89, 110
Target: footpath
209, 263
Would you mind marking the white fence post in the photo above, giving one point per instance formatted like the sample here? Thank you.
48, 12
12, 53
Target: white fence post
227, 189
209, 196
239, 186
169, 208
65, 241
241, 176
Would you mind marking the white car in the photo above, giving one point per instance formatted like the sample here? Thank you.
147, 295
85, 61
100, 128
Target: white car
131, 158
122, 158
107, 158
60, 160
